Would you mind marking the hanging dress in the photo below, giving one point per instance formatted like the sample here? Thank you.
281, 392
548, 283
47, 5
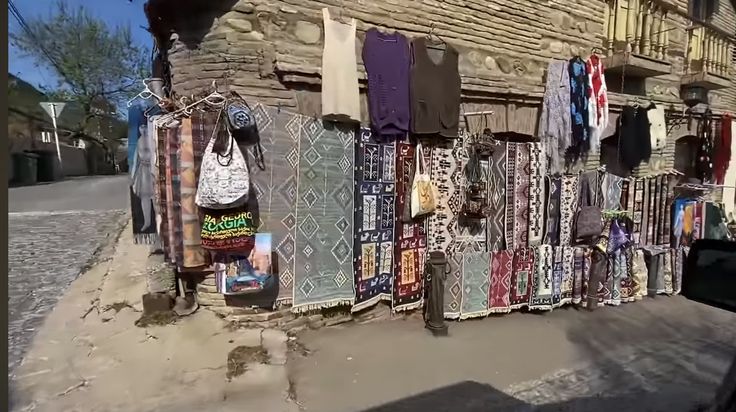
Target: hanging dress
340, 94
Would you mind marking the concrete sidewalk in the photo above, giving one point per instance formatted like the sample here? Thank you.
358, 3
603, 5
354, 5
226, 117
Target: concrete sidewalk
89, 356
661, 354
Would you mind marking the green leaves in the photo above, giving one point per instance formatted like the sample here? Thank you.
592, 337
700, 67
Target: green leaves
98, 66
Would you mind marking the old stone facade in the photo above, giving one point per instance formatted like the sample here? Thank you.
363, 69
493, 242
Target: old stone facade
271, 50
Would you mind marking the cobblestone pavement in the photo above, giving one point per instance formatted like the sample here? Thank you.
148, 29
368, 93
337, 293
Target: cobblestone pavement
46, 253
54, 230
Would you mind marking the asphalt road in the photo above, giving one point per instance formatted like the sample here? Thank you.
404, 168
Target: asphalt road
54, 231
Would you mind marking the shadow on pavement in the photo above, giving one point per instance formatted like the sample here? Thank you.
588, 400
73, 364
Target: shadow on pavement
472, 396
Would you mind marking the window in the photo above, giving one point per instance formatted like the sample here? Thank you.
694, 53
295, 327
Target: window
46, 137
702, 9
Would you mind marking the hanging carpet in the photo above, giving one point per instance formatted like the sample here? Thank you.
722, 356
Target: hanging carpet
410, 239
538, 171
557, 275
500, 287
568, 207
553, 190
497, 195
374, 219
476, 268
541, 298
193, 254
521, 278
323, 265
275, 189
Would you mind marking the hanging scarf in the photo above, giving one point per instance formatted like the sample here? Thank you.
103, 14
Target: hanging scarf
578, 110
723, 154
704, 160
597, 100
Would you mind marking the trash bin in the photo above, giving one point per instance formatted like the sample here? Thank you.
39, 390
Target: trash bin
26, 168
49, 169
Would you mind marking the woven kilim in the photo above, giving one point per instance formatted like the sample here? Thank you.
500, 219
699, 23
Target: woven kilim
628, 294
323, 267
636, 208
510, 212
536, 194
497, 196
173, 173
578, 274
557, 276
552, 230
500, 287
410, 240
522, 176
276, 189
568, 274
612, 186
541, 298
375, 190
476, 269
568, 207
521, 278
193, 254
442, 223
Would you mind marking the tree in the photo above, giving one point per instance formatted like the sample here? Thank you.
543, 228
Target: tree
98, 67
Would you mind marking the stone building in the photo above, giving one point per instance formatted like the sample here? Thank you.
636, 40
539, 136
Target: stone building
271, 51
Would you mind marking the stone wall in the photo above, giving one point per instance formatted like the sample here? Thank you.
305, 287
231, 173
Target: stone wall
271, 51
283, 318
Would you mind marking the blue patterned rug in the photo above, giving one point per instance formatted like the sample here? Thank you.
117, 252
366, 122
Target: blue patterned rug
476, 284
323, 269
375, 183
275, 189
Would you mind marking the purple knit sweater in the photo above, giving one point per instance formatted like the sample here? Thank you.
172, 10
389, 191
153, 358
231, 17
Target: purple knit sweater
387, 58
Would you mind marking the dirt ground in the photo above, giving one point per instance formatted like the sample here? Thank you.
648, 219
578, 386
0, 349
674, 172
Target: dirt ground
661, 354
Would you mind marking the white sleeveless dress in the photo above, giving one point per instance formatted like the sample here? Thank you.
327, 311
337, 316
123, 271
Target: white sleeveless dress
340, 95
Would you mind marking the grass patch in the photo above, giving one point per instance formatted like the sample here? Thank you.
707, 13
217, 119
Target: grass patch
239, 358
157, 319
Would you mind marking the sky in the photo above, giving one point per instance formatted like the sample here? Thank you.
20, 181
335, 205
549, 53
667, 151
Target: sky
112, 12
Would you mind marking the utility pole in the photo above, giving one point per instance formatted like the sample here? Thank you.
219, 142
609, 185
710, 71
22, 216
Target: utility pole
54, 110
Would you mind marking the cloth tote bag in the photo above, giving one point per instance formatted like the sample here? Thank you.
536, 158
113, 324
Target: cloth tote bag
224, 181
423, 195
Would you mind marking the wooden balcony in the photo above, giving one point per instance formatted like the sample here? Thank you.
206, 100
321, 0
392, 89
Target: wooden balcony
708, 61
637, 38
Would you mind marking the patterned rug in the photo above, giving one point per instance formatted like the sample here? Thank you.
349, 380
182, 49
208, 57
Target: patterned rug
578, 275
612, 186
639, 274
497, 195
446, 164
568, 207
628, 294
636, 208
587, 264
557, 276
476, 269
541, 298
193, 254
174, 184
536, 194
522, 184
552, 230
619, 272
568, 275
510, 212
410, 240
374, 219
275, 189
162, 198
521, 278
323, 267
500, 287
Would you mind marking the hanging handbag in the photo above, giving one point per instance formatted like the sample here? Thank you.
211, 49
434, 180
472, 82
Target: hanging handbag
242, 125
589, 221
228, 230
224, 180
475, 203
423, 195
406, 212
